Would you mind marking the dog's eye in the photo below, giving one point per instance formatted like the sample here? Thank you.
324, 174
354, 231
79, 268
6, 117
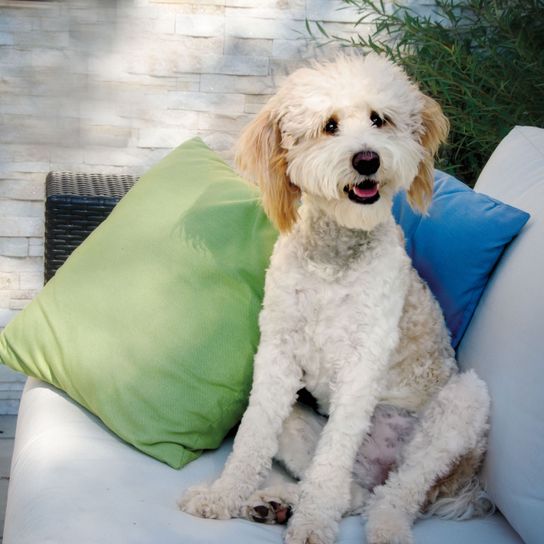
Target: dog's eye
332, 126
376, 120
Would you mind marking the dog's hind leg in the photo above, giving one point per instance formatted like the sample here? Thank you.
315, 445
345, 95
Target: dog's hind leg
452, 426
299, 438
297, 445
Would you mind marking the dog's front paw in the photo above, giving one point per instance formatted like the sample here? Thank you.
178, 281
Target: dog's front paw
265, 509
207, 502
387, 525
305, 529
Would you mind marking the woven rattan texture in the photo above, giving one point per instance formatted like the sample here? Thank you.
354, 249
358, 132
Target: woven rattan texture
75, 205
91, 185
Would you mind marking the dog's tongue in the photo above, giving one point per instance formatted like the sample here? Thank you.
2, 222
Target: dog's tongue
366, 190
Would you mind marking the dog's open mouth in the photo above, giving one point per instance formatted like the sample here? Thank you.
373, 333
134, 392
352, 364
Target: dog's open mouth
366, 192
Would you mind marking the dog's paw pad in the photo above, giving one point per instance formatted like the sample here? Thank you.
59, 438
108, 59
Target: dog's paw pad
271, 512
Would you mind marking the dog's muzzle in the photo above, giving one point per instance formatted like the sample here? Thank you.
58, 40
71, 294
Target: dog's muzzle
366, 163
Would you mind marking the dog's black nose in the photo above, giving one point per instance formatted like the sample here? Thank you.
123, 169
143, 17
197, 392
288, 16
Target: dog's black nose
366, 162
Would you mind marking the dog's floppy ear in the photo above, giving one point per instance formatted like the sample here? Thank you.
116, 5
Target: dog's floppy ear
435, 131
261, 158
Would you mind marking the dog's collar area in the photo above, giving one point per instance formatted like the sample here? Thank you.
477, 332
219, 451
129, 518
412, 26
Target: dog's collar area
365, 192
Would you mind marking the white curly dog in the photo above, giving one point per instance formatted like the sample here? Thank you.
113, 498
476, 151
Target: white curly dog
399, 431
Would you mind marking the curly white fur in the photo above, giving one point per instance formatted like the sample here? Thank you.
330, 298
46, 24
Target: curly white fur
347, 317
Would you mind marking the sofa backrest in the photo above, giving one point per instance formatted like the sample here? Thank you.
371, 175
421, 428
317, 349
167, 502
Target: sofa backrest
505, 339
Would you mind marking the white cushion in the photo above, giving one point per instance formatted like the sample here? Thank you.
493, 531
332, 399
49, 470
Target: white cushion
73, 481
505, 340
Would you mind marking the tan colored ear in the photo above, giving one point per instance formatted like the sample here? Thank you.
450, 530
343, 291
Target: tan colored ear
435, 131
260, 157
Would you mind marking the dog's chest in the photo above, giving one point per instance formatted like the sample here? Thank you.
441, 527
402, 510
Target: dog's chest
324, 294
329, 321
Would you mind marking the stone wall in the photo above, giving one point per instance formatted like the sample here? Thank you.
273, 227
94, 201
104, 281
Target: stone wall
113, 86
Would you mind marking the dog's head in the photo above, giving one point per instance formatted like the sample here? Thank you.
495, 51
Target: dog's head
347, 135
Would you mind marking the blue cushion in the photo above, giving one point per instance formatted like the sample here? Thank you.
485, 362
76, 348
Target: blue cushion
457, 244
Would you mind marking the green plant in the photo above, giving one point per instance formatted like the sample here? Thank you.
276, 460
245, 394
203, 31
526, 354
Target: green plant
483, 60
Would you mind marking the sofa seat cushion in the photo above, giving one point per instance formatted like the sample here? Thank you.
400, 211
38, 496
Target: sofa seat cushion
505, 342
73, 480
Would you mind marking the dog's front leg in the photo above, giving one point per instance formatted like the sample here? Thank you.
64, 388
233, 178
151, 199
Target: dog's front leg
276, 381
325, 490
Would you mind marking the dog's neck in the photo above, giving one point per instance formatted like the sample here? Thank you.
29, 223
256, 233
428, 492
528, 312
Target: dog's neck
325, 241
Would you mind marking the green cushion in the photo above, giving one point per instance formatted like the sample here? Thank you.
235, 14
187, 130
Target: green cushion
152, 323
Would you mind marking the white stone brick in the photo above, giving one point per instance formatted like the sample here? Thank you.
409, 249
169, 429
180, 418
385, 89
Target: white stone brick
20, 104
163, 137
15, 57
133, 161
223, 123
104, 135
199, 25
15, 265
229, 65
275, 14
35, 247
21, 208
254, 104
9, 168
265, 3
23, 189
163, 118
52, 40
215, 83
9, 21
9, 281
200, 2
30, 282
163, 24
152, 63
286, 49
49, 58
219, 103
12, 226
13, 247
105, 112
331, 10
281, 68
36, 130
63, 158
151, 51
19, 304
50, 24
6, 38
251, 27
20, 152
247, 47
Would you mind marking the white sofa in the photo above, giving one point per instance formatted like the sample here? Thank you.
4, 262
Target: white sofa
72, 480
